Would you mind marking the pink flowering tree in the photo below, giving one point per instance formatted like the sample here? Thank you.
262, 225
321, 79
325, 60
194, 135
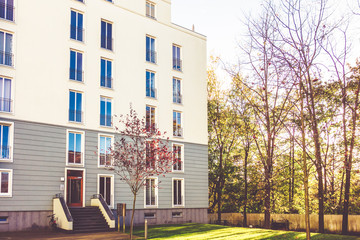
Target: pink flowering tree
141, 151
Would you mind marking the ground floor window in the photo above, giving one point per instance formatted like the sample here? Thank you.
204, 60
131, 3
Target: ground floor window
151, 192
178, 192
6, 182
106, 188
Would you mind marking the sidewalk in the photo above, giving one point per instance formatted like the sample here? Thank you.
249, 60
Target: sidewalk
43, 235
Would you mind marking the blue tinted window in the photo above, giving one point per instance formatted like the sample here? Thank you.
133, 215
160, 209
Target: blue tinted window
5, 145
76, 27
150, 49
6, 56
106, 35
76, 66
106, 73
7, 9
176, 58
5, 95
75, 106
105, 112
150, 84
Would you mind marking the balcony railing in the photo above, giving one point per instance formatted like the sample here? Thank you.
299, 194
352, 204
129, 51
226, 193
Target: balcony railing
6, 58
177, 165
151, 56
7, 11
177, 98
177, 64
151, 92
75, 116
105, 159
5, 152
76, 74
151, 127
106, 81
107, 42
75, 157
5, 105
77, 33
105, 120
178, 132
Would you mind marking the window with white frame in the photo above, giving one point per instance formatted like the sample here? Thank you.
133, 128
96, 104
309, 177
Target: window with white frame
7, 9
105, 112
177, 97
151, 192
150, 118
178, 165
150, 84
150, 9
150, 155
150, 49
106, 73
177, 62
6, 140
177, 127
106, 188
5, 95
75, 106
76, 26
178, 192
75, 151
76, 66
6, 182
6, 55
106, 35
105, 145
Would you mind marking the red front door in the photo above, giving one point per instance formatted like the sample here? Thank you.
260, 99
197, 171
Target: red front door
74, 191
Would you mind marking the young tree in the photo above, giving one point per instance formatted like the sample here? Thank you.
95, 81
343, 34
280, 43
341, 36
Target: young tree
139, 152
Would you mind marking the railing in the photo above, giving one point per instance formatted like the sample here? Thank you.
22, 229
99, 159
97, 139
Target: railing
177, 64
107, 42
106, 81
5, 152
178, 132
6, 105
77, 75
150, 127
151, 92
75, 157
151, 56
6, 58
7, 11
105, 120
75, 116
177, 98
150, 16
105, 159
104, 205
76, 33
65, 208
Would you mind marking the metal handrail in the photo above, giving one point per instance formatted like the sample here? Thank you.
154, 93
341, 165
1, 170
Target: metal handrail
77, 115
106, 81
106, 38
77, 30
104, 204
178, 132
77, 73
6, 58
66, 210
177, 64
151, 56
177, 98
105, 118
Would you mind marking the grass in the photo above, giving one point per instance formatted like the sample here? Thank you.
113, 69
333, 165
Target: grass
210, 231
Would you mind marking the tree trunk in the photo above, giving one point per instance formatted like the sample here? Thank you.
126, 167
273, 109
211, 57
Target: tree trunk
219, 190
267, 198
246, 186
132, 218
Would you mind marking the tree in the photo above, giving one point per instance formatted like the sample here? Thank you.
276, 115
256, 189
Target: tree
140, 151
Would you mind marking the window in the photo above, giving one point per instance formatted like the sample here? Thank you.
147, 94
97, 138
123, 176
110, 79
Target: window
150, 155
76, 66
151, 192
106, 35
7, 9
105, 144
5, 95
177, 97
6, 182
106, 186
176, 58
75, 148
75, 106
76, 27
6, 141
177, 129
150, 84
81, 1
178, 158
105, 112
106, 73
150, 10
150, 49
110, 1
178, 192
150, 118
6, 56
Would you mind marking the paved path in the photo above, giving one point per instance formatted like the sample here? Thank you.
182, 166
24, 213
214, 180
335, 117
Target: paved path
43, 235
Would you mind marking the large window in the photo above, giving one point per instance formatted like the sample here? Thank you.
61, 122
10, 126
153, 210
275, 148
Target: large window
6, 56
105, 112
151, 192
150, 155
6, 182
177, 97
178, 165
106, 188
7, 9
6, 139
106, 35
76, 66
76, 27
105, 145
150, 84
150, 118
150, 9
75, 106
178, 192
5, 95
177, 63
75, 147
177, 128
150, 49
106, 73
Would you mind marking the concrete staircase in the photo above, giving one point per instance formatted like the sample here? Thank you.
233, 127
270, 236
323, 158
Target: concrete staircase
88, 219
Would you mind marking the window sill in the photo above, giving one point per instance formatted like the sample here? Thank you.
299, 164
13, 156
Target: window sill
106, 49
152, 98
78, 41
74, 80
10, 113
103, 87
7, 20
151, 206
153, 63
4, 160
178, 206
75, 165
7, 66
77, 123
179, 104
107, 127
178, 137
106, 167
177, 171
178, 70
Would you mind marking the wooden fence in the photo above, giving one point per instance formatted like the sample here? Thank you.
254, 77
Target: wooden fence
332, 223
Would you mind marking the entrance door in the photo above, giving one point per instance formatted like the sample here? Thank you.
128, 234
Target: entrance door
105, 188
74, 191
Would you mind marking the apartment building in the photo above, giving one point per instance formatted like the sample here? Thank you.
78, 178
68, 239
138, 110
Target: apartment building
66, 68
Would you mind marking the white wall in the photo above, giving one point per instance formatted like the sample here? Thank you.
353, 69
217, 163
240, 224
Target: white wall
42, 53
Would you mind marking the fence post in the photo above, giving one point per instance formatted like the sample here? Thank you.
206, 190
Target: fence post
146, 229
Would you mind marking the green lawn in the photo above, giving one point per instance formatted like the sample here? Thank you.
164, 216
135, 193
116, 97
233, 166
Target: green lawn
209, 231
